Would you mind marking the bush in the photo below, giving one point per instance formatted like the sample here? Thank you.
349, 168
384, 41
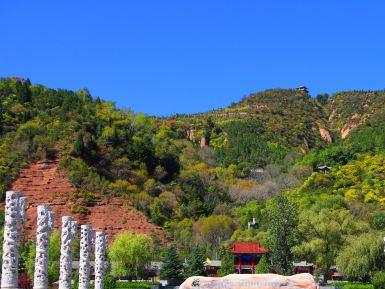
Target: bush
134, 285
352, 285
109, 282
358, 286
378, 280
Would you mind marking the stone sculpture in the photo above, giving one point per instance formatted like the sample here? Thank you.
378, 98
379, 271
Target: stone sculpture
251, 281
86, 238
45, 225
67, 237
14, 214
100, 259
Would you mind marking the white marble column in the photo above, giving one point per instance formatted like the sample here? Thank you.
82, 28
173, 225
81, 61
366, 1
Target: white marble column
14, 214
100, 259
86, 238
68, 232
45, 224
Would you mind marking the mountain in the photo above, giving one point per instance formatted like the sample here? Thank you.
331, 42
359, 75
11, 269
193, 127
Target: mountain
194, 179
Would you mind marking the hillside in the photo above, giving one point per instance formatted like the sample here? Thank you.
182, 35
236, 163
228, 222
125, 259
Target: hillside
284, 119
348, 110
196, 179
43, 184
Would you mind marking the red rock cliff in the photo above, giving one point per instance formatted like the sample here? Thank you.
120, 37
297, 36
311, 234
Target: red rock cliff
43, 184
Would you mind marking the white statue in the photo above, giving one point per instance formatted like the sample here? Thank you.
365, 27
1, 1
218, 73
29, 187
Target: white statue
14, 215
86, 239
100, 259
67, 237
45, 225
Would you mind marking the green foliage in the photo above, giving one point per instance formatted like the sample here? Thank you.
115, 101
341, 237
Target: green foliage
351, 285
322, 98
263, 266
28, 253
134, 285
109, 282
208, 194
323, 236
227, 263
213, 230
172, 265
283, 227
129, 253
361, 257
195, 263
75, 284
54, 257
378, 280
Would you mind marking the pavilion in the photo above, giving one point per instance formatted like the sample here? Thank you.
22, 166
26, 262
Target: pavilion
247, 256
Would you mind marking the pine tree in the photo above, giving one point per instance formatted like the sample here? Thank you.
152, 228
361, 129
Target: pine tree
227, 263
283, 233
172, 265
263, 266
78, 146
195, 265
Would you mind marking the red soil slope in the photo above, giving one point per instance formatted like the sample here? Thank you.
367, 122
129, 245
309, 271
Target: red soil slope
43, 184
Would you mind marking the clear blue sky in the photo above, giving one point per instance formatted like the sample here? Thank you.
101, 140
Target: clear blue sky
161, 57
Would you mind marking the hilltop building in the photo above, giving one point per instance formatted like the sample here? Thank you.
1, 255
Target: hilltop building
303, 89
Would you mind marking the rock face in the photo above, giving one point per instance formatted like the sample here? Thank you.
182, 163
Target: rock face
325, 134
43, 184
353, 122
251, 281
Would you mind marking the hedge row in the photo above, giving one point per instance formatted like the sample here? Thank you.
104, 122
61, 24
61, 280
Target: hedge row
134, 285
351, 285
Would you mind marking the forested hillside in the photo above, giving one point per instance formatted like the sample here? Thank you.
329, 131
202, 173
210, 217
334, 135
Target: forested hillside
203, 177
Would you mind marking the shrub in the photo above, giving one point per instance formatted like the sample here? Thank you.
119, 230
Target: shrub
358, 286
109, 282
352, 285
134, 285
378, 280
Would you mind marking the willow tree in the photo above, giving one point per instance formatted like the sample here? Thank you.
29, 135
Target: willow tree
129, 254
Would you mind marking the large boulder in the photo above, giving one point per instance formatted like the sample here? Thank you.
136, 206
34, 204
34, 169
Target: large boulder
249, 281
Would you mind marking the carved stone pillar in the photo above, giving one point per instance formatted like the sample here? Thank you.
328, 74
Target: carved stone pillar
67, 237
100, 259
45, 224
14, 214
85, 251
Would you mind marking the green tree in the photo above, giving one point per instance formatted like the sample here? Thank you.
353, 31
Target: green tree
129, 254
263, 266
378, 280
227, 262
213, 230
324, 234
29, 254
172, 265
195, 264
54, 257
283, 229
322, 98
361, 257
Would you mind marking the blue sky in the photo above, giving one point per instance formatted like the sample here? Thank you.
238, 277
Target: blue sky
162, 57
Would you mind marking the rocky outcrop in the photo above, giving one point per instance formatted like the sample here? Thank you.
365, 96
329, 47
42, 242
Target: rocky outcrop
325, 134
44, 184
352, 123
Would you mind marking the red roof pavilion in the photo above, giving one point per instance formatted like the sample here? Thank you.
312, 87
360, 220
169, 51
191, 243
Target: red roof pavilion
247, 248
